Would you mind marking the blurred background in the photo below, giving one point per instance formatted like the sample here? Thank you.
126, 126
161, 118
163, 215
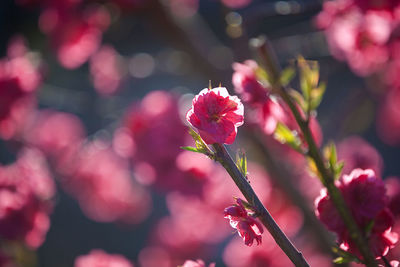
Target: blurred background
93, 96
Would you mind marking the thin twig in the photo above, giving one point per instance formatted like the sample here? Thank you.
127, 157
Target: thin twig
222, 156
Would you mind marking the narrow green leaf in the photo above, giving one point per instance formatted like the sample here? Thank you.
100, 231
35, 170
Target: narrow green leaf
263, 77
338, 169
333, 154
285, 136
287, 75
344, 256
340, 260
190, 148
369, 227
316, 96
241, 162
299, 99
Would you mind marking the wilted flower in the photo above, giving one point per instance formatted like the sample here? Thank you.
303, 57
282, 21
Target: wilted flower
216, 115
247, 227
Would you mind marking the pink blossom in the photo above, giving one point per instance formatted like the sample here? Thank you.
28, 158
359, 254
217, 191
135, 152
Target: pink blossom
151, 136
359, 32
358, 153
197, 263
236, 3
246, 84
57, 134
102, 198
388, 119
19, 79
26, 191
216, 115
366, 197
268, 254
75, 35
393, 192
380, 239
276, 111
106, 77
99, 258
392, 264
248, 228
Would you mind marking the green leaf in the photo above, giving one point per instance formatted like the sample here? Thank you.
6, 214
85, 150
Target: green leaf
341, 260
309, 83
285, 136
368, 227
344, 256
190, 148
241, 162
338, 169
332, 163
263, 77
316, 96
287, 76
299, 99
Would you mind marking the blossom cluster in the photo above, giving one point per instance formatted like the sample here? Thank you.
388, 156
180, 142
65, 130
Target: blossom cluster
120, 163
365, 35
366, 197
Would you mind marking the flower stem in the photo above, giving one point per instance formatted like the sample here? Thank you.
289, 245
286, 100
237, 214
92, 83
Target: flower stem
222, 156
327, 178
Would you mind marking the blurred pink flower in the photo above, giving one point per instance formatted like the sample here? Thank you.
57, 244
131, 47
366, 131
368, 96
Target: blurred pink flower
268, 254
265, 255
75, 35
151, 136
106, 70
216, 115
236, 3
359, 32
388, 119
197, 263
387, 5
97, 258
245, 81
276, 111
19, 79
248, 227
100, 180
393, 192
366, 197
358, 153
26, 191
57, 134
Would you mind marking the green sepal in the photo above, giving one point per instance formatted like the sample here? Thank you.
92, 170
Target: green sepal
201, 146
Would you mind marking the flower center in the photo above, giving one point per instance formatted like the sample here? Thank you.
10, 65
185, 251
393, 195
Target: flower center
215, 118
